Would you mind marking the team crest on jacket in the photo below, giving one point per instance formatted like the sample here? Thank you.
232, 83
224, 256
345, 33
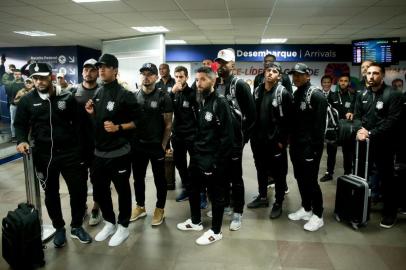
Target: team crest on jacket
110, 106
208, 116
154, 104
185, 104
62, 105
274, 102
379, 105
303, 105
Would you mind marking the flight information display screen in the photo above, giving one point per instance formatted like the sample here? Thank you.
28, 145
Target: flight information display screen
382, 50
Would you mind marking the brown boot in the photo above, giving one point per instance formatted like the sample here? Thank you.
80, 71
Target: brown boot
138, 212
158, 217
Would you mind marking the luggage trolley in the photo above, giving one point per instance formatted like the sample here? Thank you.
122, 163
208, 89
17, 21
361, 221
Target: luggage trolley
34, 196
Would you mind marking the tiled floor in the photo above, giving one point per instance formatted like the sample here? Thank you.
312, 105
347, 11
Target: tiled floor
260, 244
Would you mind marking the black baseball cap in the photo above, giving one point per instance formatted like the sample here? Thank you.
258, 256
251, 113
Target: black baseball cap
40, 69
108, 60
300, 68
149, 67
275, 65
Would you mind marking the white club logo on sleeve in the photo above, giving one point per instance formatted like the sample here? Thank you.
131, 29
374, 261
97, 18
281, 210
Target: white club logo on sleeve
62, 105
208, 116
110, 106
274, 103
379, 105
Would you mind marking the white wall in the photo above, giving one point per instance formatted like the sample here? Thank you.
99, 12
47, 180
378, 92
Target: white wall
132, 53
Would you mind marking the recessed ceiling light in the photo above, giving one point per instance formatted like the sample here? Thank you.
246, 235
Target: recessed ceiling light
34, 33
273, 40
150, 29
175, 41
89, 1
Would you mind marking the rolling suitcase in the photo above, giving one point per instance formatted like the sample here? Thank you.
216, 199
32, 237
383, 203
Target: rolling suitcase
169, 170
22, 244
352, 202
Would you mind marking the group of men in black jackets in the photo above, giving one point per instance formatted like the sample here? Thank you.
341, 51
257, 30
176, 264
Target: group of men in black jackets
107, 130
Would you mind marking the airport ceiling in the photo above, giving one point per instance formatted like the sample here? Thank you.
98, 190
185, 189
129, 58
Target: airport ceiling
202, 21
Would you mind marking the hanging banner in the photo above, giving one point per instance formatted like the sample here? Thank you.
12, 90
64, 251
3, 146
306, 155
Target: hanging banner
256, 53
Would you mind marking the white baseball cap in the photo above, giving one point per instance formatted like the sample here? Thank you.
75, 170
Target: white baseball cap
226, 55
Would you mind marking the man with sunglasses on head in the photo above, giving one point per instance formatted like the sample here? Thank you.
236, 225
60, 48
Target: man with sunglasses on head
49, 118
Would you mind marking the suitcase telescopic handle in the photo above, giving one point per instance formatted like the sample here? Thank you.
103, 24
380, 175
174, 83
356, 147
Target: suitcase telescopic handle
32, 183
366, 158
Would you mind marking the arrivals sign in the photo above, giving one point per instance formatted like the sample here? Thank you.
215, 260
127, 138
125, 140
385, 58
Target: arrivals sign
256, 53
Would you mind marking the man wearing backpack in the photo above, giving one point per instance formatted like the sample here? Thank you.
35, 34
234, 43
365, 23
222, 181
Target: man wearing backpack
343, 101
212, 150
260, 78
379, 109
270, 137
306, 146
238, 94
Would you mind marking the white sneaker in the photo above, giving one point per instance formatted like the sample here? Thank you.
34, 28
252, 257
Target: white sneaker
189, 226
108, 229
121, 234
235, 224
314, 223
208, 238
300, 214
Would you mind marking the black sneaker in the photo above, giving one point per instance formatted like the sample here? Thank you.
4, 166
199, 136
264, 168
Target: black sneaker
387, 222
258, 202
276, 211
81, 235
326, 177
60, 238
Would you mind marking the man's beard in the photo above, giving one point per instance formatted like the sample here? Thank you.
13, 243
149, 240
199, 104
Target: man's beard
43, 90
221, 72
90, 81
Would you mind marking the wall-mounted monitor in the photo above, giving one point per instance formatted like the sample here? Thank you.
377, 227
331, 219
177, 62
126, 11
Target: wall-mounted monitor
381, 50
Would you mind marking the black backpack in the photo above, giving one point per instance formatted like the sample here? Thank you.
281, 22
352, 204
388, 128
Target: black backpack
21, 238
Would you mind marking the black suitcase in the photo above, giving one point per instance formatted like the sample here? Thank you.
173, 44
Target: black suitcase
22, 245
169, 170
352, 202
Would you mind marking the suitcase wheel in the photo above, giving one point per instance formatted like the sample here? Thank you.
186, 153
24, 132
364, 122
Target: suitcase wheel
337, 217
